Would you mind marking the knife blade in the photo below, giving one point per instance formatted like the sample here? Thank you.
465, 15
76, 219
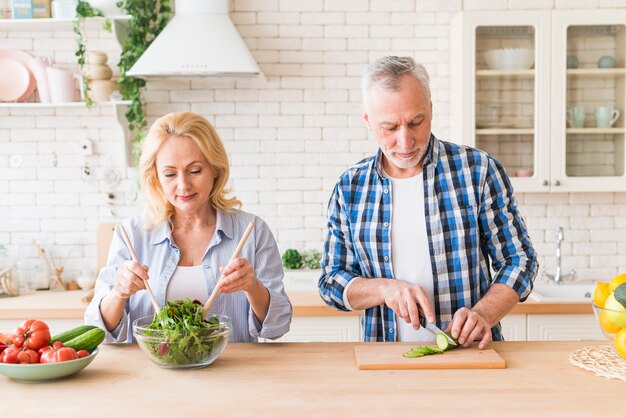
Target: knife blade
434, 329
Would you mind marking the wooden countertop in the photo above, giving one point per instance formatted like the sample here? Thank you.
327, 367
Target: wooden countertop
321, 379
68, 305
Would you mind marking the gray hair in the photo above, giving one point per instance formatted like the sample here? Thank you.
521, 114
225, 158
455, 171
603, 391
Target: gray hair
387, 72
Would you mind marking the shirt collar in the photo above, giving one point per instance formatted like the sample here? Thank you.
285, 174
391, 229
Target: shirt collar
224, 224
431, 157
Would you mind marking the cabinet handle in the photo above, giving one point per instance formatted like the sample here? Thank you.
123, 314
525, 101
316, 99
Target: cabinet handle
545, 183
557, 183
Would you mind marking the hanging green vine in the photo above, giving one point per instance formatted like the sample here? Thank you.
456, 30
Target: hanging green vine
83, 11
148, 18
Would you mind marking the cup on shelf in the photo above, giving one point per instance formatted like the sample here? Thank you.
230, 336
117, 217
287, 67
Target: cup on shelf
606, 61
39, 67
576, 116
63, 9
62, 85
605, 116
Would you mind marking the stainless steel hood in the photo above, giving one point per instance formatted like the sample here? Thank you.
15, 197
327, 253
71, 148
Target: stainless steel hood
200, 40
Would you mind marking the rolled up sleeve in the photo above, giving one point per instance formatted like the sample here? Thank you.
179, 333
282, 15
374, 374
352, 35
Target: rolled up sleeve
269, 270
514, 259
339, 264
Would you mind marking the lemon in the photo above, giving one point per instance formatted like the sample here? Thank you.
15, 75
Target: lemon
616, 281
608, 326
600, 294
616, 313
620, 343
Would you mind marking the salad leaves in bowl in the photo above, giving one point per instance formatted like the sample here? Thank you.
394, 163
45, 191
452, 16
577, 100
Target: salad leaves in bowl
179, 337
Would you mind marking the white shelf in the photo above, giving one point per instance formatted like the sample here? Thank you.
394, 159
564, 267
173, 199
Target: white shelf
38, 105
53, 24
599, 72
505, 73
505, 131
594, 130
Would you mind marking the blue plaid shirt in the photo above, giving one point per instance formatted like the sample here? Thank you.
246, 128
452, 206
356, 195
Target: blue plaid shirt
472, 219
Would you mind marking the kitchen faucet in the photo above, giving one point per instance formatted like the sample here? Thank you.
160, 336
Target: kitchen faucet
557, 277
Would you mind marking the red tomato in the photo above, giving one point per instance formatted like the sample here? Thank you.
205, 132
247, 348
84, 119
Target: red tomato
27, 356
32, 334
13, 354
9, 355
2, 347
57, 355
82, 353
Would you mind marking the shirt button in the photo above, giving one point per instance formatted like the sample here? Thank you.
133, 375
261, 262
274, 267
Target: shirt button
386, 258
385, 191
391, 330
386, 224
206, 266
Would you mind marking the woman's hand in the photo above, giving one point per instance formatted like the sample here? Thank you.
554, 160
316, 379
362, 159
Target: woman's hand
238, 275
129, 279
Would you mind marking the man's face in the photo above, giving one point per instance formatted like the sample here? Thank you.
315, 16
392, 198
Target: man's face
400, 121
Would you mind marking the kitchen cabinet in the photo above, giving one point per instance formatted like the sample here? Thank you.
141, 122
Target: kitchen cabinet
551, 327
563, 327
519, 114
119, 24
514, 327
323, 329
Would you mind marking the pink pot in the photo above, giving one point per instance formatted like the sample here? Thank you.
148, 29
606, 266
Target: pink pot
39, 67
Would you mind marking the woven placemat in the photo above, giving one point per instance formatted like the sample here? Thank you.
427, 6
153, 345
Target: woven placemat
602, 360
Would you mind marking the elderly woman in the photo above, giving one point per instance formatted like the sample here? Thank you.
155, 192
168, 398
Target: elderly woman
186, 238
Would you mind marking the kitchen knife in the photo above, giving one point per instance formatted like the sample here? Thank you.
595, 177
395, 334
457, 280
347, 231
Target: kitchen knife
434, 329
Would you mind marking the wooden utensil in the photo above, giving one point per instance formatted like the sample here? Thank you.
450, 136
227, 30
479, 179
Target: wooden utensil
56, 270
388, 356
155, 304
242, 241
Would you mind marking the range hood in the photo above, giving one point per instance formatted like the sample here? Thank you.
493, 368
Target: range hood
200, 40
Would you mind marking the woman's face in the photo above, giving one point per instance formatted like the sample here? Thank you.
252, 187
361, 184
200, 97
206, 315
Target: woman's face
185, 175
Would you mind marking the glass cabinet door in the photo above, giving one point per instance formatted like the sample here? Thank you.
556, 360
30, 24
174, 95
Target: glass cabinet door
595, 103
590, 101
505, 96
501, 73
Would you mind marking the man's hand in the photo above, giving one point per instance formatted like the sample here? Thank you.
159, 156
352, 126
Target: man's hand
406, 300
468, 326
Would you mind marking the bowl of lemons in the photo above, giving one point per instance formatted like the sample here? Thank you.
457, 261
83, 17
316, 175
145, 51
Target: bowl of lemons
609, 306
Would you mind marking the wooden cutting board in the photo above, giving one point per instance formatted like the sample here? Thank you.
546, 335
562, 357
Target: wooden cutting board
388, 356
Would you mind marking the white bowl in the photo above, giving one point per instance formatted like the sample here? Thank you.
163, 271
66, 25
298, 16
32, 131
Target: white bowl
509, 58
86, 282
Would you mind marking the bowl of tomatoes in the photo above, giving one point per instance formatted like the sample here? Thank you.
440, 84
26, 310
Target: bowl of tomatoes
32, 354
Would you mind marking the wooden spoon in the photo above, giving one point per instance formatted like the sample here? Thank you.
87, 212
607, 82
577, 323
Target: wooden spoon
157, 308
242, 241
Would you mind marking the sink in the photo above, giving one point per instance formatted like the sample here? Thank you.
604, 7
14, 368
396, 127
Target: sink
548, 292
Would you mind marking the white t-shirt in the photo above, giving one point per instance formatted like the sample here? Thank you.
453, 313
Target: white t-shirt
187, 282
410, 254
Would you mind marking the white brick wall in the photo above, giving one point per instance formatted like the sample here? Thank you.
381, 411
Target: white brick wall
288, 135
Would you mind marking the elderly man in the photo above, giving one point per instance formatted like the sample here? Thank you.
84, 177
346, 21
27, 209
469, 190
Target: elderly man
413, 229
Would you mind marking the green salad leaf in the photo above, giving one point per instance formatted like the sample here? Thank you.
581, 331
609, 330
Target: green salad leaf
187, 338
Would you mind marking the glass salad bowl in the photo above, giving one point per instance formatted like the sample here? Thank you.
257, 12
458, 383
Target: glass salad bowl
182, 349
613, 326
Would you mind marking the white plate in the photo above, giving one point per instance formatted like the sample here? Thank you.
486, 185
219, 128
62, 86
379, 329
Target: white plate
14, 80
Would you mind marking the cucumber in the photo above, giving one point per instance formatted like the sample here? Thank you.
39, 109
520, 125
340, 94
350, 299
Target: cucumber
421, 352
86, 341
73, 333
444, 343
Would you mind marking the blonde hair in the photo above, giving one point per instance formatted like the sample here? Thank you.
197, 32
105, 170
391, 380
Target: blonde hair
203, 134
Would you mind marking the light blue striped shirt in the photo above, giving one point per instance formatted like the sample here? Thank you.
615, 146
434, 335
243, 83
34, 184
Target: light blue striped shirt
156, 249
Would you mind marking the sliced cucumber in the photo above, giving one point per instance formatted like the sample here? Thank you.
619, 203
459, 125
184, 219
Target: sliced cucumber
443, 342
421, 352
